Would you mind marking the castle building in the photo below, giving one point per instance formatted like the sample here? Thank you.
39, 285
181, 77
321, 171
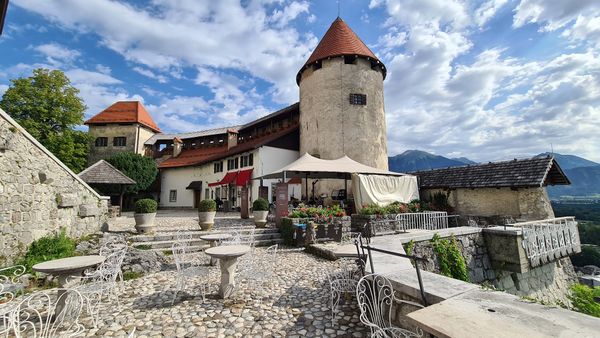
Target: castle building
341, 112
122, 127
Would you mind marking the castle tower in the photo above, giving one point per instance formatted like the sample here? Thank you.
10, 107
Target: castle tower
124, 126
341, 100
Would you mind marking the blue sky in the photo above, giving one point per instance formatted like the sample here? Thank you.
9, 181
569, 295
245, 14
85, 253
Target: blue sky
489, 79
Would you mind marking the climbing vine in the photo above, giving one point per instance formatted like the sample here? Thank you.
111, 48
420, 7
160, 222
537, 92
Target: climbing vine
408, 247
452, 263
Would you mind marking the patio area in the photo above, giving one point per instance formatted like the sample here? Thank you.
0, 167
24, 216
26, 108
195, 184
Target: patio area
295, 304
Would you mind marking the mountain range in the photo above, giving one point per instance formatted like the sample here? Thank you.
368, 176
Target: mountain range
583, 174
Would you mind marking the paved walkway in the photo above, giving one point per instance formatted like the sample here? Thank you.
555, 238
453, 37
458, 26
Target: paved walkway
296, 304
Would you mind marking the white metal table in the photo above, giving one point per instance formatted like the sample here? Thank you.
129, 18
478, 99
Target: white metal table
213, 241
227, 256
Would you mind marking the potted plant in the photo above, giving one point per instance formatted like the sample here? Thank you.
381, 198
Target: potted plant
207, 209
260, 210
145, 211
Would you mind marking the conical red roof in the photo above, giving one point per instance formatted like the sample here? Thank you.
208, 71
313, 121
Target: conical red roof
125, 112
340, 40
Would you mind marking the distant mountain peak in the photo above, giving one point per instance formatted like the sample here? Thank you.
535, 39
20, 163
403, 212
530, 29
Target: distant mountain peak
416, 160
569, 161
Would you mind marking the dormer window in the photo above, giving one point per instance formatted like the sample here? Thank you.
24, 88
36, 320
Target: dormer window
358, 99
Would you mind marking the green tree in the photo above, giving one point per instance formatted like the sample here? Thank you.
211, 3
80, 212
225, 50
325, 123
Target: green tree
137, 167
49, 108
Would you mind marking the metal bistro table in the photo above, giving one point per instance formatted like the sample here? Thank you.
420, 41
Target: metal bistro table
63, 268
213, 241
227, 255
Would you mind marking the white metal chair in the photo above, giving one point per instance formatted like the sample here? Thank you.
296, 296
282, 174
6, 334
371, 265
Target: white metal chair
101, 283
376, 298
45, 315
260, 269
186, 270
10, 285
342, 281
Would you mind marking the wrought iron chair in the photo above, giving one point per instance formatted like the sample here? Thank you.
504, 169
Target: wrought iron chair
45, 315
186, 270
10, 285
260, 269
376, 298
96, 285
342, 281
183, 237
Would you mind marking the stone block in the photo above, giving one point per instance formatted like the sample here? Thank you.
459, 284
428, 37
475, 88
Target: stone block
88, 210
67, 200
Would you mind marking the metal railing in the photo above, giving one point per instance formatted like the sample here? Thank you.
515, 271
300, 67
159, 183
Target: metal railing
363, 257
549, 239
427, 220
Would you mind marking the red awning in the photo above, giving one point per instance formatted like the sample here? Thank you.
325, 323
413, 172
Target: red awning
243, 177
229, 177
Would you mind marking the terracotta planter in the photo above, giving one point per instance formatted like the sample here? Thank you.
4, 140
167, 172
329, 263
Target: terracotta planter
144, 223
206, 219
260, 218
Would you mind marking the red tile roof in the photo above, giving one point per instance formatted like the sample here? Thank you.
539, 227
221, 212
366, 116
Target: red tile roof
125, 112
339, 40
190, 157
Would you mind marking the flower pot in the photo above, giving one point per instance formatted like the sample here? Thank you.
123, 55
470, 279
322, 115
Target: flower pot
144, 223
206, 219
260, 218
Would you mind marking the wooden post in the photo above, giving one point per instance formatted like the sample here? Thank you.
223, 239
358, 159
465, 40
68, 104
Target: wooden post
121, 199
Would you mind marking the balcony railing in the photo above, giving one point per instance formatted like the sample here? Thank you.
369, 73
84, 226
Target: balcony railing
550, 239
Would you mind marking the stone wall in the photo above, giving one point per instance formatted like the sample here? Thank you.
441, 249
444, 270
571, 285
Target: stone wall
548, 283
39, 194
473, 248
525, 204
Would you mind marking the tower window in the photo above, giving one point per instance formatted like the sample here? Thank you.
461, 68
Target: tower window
101, 141
358, 99
316, 65
173, 196
119, 141
350, 59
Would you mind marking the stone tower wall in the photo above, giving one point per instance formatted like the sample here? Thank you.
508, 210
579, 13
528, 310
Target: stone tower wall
39, 195
330, 126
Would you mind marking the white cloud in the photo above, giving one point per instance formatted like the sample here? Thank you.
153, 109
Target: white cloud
553, 14
150, 74
425, 12
175, 34
57, 54
487, 10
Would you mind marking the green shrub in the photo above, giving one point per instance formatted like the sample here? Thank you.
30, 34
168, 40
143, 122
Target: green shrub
260, 204
409, 247
129, 275
145, 206
207, 205
582, 297
452, 263
55, 246
143, 247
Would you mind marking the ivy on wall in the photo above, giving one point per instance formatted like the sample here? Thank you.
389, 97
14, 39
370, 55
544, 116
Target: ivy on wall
452, 263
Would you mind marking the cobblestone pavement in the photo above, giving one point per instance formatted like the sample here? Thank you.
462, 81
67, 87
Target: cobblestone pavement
295, 303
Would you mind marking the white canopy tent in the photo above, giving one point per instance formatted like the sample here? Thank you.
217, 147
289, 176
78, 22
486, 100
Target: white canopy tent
373, 185
312, 167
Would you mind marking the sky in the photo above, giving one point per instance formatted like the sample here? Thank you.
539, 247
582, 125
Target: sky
488, 79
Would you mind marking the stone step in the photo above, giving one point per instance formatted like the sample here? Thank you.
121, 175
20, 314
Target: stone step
172, 235
196, 246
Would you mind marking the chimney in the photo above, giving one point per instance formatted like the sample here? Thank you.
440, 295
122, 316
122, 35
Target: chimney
177, 146
232, 137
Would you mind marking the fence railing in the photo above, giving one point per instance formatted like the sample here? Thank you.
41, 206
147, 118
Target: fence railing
550, 239
428, 220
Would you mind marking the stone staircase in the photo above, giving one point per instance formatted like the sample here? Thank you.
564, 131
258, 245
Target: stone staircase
163, 239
